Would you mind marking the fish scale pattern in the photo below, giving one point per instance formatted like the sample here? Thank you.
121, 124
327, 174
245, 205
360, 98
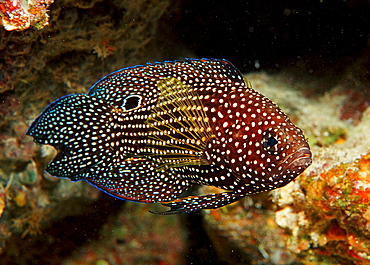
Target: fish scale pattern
150, 132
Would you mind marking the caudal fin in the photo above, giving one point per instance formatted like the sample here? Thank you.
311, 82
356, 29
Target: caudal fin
78, 127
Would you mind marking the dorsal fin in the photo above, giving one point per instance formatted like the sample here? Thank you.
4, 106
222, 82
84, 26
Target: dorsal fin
180, 126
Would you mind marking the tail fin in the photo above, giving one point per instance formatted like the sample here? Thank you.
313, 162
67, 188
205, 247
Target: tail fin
77, 126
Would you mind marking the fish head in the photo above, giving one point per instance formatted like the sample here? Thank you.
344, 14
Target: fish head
276, 150
285, 154
259, 143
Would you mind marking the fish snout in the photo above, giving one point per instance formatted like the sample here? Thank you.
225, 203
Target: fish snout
295, 164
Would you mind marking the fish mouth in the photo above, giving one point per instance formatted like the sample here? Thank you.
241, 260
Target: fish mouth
295, 164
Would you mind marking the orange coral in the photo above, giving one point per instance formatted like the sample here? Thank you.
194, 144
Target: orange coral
326, 219
336, 208
21, 14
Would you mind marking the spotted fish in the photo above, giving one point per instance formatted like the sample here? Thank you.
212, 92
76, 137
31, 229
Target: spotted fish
150, 132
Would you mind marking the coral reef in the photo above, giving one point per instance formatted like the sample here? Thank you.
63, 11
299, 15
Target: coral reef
79, 39
329, 214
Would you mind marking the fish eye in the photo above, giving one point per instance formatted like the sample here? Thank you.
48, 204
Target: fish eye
131, 102
273, 141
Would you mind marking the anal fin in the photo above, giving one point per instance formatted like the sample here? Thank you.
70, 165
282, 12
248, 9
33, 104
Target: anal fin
197, 203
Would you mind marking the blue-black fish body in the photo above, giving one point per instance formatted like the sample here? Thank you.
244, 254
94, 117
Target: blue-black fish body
148, 133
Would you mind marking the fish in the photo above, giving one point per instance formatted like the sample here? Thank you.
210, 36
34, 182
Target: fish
149, 133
